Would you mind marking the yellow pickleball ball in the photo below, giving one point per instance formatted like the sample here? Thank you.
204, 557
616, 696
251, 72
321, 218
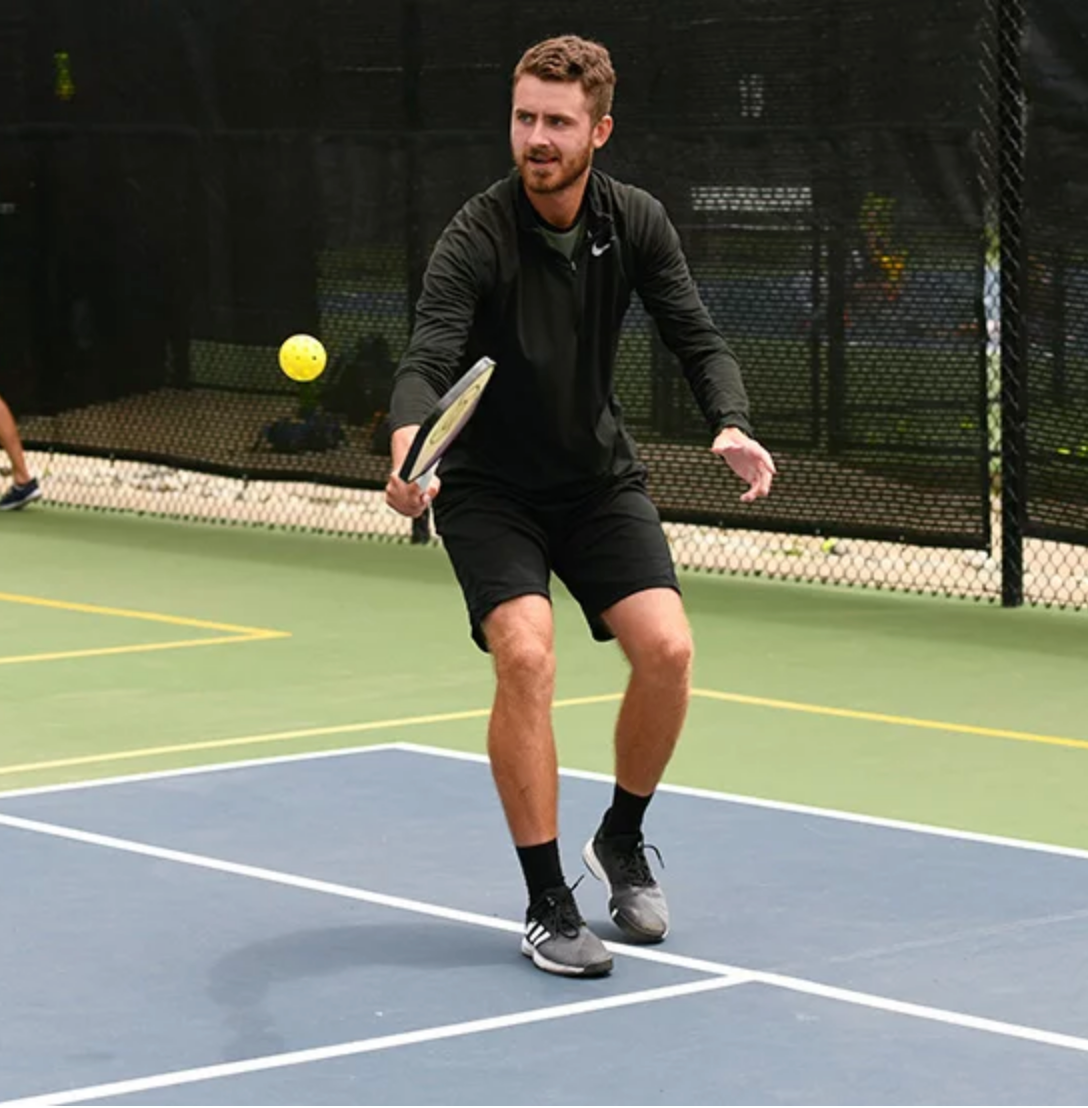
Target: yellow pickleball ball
302, 358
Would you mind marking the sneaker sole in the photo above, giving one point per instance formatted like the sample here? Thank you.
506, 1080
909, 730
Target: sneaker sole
633, 932
594, 969
22, 503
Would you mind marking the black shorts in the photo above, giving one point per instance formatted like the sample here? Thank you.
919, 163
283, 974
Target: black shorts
604, 545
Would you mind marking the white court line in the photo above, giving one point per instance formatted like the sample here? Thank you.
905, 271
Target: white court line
347, 892
781, 806
370, 1046
190, 771
586, 775
734, 974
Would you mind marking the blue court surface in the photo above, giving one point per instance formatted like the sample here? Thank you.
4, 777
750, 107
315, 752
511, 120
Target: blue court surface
343, 929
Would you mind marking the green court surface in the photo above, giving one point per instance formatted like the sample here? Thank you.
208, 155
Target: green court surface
134, 644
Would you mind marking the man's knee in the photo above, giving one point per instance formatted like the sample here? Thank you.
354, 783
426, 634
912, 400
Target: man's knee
670, 652
526, 661
521, 641
655, 634
662, 653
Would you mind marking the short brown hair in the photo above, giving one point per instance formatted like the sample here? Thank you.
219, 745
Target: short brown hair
570, 58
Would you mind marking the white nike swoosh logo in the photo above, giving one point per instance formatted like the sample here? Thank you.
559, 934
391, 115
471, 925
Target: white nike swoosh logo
597, 250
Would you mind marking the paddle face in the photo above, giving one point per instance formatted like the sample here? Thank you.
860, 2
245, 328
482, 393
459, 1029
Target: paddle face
444, 423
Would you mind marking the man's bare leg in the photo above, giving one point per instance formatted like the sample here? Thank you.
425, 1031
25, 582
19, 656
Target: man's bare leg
520, 742
521, 747
653, 632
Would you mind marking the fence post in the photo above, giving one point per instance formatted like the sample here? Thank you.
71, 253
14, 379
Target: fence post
1010, 184
415, 249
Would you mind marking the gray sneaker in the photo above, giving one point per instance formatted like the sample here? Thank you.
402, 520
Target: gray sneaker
557, 939
635, 900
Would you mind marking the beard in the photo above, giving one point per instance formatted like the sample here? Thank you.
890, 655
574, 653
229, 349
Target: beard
557, 176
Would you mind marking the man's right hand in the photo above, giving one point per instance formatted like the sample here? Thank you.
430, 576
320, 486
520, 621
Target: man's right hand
408, 499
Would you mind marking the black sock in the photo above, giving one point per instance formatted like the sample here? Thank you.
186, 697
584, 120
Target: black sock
541, 867
625, 815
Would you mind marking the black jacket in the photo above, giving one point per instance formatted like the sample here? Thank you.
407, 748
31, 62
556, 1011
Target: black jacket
494, 286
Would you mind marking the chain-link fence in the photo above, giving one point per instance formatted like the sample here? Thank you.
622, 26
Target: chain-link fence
889, 257
1052, 256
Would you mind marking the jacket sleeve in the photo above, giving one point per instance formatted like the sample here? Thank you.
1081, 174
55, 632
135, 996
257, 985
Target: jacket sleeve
667, 289
456, 277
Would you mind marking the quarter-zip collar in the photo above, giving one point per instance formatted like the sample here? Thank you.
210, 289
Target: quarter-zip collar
598, 218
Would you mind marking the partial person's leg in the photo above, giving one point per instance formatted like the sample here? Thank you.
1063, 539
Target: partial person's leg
24, 488
12, 445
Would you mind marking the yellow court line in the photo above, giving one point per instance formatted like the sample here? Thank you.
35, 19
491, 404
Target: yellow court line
126, 613
142, 648
280, 736
900, 721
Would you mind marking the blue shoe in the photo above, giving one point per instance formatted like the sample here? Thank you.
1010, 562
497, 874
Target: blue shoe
19, 496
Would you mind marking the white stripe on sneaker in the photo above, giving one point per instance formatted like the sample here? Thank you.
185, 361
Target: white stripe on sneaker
538, 934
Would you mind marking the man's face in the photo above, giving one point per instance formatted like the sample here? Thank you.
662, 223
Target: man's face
552, 133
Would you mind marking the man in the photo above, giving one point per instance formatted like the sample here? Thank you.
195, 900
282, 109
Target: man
24, 488
537, 273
